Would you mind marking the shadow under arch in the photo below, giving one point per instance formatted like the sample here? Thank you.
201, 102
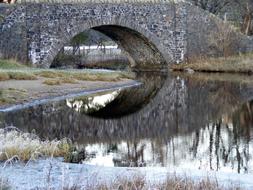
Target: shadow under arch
143, 49
125, 101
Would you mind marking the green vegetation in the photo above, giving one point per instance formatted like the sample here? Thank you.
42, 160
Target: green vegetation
79, 39
233, 64
11, 64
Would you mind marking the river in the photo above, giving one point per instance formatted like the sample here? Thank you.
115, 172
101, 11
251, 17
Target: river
198, 122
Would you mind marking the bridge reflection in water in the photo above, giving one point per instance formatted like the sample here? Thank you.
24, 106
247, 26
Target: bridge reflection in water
180, 121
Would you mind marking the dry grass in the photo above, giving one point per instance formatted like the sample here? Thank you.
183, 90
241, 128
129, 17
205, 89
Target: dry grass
97, 76
16, 75
68, 80
26, 146
56, 77
49, 74
11, 95
60, 81
72, 77
4, 76
171, 183
178, 183
21, 76
52, 82
233, 64
237, 78
12, 70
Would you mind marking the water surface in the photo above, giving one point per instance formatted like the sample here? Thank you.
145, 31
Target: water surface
195, 122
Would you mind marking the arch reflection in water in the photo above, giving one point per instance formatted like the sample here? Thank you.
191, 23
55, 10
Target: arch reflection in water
190, 123
90, 104
128, 100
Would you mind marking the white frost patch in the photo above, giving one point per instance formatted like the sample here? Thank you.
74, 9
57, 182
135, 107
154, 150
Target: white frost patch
36, 174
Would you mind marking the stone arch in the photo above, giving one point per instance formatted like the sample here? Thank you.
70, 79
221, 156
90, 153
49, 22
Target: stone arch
143, 48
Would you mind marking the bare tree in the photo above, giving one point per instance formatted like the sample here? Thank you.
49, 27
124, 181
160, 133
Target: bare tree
213, 6
246, 7
224, 39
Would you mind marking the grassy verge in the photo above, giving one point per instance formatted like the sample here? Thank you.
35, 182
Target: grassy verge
233, 64
11, 64
138, 182
12, 70
237, 78
10, 95
171, 183
25, 146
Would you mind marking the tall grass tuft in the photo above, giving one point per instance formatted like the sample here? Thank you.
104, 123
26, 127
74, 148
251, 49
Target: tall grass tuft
26, 146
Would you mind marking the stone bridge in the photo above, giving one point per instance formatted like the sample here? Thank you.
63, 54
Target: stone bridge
152, 35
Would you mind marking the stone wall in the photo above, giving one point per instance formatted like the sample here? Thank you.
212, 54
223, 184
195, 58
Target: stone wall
13, 35
152, 34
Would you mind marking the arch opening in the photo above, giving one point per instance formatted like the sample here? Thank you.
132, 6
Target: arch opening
136, 49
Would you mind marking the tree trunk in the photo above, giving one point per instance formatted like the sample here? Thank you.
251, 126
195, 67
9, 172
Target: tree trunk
246, 27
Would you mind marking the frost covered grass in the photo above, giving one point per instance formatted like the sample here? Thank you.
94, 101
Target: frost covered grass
4, 185
172, 183
138, 182
25, 146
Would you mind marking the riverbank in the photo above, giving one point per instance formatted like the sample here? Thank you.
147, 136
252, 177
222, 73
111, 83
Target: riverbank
55, 174
22, 84
31, 163
233, 64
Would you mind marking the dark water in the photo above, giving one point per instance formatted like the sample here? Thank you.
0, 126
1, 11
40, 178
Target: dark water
199, 122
